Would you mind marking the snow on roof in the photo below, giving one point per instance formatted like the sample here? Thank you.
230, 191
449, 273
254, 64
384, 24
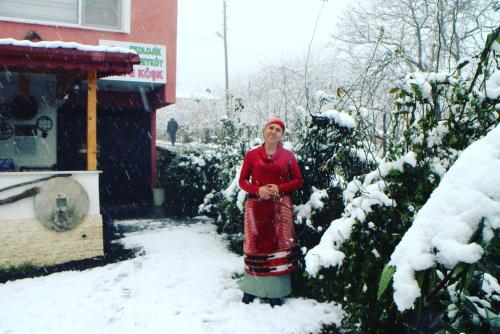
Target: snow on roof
64, 45
468, 194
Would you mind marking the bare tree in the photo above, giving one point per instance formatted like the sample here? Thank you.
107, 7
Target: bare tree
384, 40
410, 31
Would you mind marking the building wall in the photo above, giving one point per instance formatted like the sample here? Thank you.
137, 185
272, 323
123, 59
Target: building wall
152, 22
26, 241
23, 238
43, 89
24, 209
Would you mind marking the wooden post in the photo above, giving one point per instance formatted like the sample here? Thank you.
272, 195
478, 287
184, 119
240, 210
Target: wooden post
92, 120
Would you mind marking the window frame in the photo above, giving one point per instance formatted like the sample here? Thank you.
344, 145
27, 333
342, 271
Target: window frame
125, 20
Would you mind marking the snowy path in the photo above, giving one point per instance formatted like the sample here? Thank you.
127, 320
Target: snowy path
182, 284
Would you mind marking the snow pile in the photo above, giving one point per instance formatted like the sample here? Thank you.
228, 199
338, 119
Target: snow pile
288, 145
341, 118
326, 253
198, 161
436, 134
179, 147
440, 165
423, 81
304, 211
234, 189
420, 80
359, 198
482, 306
491, 287
64, 45
385, 168
320, 95
492, 86
364, 155
467, 194
183, 284
194, 160
206, 207
495, 46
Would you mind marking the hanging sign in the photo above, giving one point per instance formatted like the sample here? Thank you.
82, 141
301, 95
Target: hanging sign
153, 66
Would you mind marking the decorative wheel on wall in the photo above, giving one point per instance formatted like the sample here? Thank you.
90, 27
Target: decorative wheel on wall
24, 107
44, 124
6, 130
61, 204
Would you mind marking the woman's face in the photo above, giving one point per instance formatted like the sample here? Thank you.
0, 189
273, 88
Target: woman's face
273, 134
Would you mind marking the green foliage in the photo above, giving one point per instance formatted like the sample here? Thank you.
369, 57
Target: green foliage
356, 283
436, 128
328, 159
385, 279
230, 222
22, 270
464, 304
229, 134
187, 180
222, 202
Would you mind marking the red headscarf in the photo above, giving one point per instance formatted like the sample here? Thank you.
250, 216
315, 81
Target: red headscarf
277, 121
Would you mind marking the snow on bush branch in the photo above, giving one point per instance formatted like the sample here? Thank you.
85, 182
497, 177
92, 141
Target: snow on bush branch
341, 118
468, 194
305, 211
234, 189
359, 199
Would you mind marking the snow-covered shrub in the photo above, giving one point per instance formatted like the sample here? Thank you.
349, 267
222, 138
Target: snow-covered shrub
224, 202
346, 265
329, 157
450, 235
437, 116
187, 179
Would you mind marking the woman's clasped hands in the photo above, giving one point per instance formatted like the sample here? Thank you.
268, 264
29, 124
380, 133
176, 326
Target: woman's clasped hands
268, 191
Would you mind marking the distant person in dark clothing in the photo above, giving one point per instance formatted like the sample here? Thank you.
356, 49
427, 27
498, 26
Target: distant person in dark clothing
172, 127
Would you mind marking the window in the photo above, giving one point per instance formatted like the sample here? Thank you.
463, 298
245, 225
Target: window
98, 14
64, 11
102, 13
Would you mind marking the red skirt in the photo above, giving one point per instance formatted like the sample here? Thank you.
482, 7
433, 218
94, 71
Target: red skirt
270, 248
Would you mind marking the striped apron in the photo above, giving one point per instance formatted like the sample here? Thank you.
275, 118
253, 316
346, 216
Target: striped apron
270, 248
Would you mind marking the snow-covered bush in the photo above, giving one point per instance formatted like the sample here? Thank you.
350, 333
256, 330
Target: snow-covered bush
437, 116
345, 266
329, 157
187, 179
450, 234
224, 202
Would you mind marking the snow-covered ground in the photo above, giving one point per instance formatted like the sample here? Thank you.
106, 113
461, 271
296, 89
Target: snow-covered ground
183, 284
180, 147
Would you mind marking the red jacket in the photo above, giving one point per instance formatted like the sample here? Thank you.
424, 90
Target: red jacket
259, 169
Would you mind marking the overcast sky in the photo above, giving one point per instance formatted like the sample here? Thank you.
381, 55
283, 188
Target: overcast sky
260, 32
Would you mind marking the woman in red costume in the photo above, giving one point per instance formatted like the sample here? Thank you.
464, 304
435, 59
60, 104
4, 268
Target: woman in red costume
269, 174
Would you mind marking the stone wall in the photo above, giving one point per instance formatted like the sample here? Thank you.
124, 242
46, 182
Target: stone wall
28, 241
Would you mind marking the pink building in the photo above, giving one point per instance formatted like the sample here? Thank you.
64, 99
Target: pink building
84, 109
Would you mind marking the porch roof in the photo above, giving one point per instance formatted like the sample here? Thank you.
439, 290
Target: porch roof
57, 57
